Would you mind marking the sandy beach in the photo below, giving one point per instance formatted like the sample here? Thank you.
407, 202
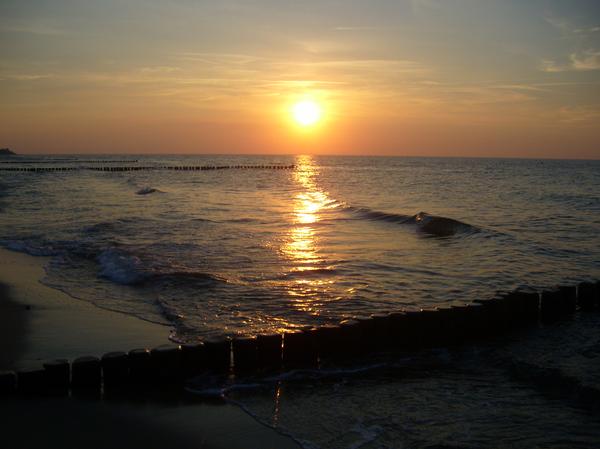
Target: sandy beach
39, 323
48, 324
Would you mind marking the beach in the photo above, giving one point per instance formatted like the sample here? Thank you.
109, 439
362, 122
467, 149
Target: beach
47, 324
39, 323
149, 252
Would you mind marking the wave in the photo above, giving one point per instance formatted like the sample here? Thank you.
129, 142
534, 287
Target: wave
241, 220
442, 226
426, 223
123, 268
120, 267
197, 277
114, 264
30, 247
118, 225
311, 273
370, 214
148, 191
553, 381
214, 385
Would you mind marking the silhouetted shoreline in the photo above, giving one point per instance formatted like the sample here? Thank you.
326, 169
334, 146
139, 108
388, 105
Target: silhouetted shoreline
7, 152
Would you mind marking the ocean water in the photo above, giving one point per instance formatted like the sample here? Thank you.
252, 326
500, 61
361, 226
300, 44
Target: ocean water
243, 251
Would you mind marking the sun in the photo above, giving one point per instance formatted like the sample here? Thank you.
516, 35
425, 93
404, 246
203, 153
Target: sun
306, 113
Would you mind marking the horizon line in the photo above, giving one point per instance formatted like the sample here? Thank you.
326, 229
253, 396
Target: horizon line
313, 154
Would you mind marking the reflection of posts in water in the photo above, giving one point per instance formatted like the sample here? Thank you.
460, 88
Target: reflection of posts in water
276, 404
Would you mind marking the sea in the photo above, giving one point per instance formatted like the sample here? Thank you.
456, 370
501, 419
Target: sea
321, 239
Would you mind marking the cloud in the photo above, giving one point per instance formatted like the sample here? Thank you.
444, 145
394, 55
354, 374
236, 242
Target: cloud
579, 114
26, 76
578, 62
559, 23
521, 87
586, 60
374, 65
551, 66
487, 94
583, 57
568, 28
586, 30
354, 28
40, 28
160, 69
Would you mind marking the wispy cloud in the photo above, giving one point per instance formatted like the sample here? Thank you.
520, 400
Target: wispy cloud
583, 40
568, 28
25, 76
354, 28
579, 114
41, 28
160, 69
558, 23
551, 66
588, 30
578, 61
586, 60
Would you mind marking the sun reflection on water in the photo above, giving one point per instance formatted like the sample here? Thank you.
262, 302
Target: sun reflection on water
308, 268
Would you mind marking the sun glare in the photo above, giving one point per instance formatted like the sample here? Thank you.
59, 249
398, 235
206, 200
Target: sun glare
306, 113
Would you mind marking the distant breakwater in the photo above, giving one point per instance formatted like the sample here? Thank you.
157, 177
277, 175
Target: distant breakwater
172, 366
127, 168
73, 161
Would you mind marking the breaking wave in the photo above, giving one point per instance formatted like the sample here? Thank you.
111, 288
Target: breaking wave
428, 224
123, 268
120, 267
147, 191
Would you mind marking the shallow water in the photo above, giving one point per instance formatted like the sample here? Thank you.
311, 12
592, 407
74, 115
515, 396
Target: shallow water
241, 251
536, 388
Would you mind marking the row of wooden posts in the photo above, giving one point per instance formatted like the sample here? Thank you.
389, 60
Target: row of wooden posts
172, 365
126, 168
72, 161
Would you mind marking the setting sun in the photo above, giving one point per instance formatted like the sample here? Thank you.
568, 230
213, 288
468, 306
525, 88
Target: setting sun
306, 113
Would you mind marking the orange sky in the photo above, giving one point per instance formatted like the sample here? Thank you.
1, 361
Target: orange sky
420, 77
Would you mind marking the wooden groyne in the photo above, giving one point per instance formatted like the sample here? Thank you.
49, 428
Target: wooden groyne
128, 168
171, 366
73, 161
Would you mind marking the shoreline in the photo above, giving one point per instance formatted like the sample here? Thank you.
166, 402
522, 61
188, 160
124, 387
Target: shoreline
39, 323
54, 325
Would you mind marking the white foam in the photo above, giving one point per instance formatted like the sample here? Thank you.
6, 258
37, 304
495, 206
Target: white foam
120, 267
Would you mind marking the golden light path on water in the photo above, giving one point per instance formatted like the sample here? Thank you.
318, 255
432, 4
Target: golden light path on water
302, 244
302, 247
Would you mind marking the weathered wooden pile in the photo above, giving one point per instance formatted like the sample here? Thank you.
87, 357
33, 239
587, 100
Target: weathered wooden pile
171, 365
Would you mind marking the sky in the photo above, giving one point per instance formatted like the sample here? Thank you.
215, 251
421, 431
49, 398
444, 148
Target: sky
488, 78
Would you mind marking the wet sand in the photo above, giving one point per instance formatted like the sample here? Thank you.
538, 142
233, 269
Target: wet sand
38, 323
13, 321
70, 423
48, 324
